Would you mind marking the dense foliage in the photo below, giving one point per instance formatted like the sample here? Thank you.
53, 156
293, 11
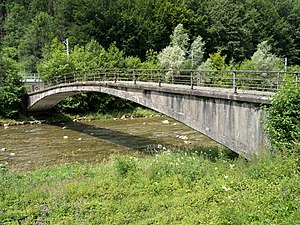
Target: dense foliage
10, 87
56, 63
177, 188
234, 27
283, 119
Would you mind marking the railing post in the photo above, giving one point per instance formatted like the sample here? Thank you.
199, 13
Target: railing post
65, 79
278, 80
234, 82
297, 78
192, 80
199, 79
159, 78
134, 77
172, 76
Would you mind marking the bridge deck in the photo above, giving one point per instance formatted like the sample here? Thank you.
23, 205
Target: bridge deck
211, 92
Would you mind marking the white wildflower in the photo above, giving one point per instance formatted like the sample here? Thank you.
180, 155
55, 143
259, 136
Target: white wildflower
225, 188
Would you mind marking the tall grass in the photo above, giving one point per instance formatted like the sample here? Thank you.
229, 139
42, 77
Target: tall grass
170, 188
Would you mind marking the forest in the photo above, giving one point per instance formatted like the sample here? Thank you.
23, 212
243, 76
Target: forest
216, 34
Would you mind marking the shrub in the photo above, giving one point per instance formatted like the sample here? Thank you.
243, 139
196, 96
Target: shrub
124, 165
11, 88
283, 119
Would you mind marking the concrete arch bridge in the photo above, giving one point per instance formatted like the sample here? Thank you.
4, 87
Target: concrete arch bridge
223, 105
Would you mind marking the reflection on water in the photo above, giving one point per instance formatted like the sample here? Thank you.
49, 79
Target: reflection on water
32, 146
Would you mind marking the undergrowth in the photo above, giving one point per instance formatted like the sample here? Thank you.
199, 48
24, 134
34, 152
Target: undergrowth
170, 188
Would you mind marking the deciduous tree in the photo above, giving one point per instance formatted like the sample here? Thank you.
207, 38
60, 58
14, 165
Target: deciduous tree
10, 87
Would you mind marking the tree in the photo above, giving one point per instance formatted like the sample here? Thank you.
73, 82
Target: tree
263, 59
216, 61
277, 22
196, 53
229, 27
37, 35
15, 24
152, 61
57, 64
174, 56
55, 61
87, 57
115, 57
180, 38
171, 57
3, 14
10, 87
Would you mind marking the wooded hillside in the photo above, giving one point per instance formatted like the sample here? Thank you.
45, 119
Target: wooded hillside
234, 27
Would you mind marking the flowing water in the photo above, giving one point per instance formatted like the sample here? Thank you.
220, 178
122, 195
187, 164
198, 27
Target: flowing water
26, 147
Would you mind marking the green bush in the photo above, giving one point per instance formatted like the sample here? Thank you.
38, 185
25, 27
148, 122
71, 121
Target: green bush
283, 119
124, 165
11, 88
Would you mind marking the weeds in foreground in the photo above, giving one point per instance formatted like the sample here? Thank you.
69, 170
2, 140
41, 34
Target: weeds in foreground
169, 188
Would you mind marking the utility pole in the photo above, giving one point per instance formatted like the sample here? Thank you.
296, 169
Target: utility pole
192, 52
286, 63
66, 42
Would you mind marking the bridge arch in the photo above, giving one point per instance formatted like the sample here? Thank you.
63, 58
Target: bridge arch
230, 119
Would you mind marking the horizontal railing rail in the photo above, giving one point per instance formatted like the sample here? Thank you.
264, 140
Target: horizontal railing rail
30, 78
235, 80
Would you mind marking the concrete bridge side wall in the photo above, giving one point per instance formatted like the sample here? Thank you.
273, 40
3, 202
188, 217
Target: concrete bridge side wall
234, 124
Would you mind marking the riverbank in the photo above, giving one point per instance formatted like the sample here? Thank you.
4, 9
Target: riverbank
55, 117
170, 188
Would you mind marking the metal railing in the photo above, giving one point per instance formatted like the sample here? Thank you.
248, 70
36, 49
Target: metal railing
235, 80
31, 78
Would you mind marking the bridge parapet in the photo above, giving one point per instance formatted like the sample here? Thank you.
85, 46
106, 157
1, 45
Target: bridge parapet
234, 80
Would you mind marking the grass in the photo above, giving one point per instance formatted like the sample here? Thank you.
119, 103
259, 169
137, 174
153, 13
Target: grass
170, 188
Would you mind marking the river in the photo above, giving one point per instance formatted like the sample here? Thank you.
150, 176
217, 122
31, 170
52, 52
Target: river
26, 147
